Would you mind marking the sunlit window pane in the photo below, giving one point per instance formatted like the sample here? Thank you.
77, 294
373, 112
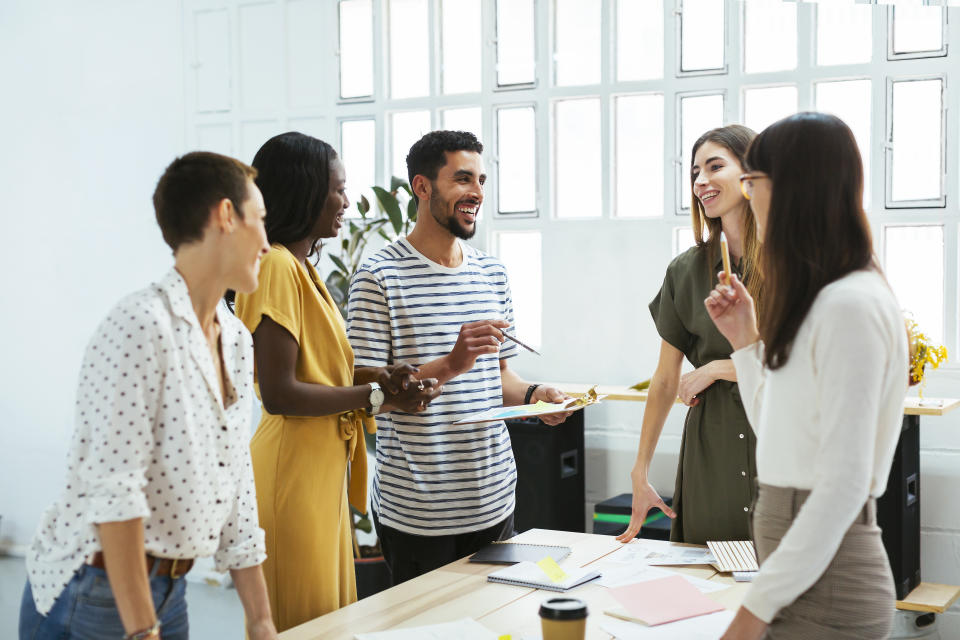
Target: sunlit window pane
577, 156
358, 151
465, 119
406, 127
516, 57
844, 33
698, 114
516, 160
639, 40
764, 106
682, 240
770, 35
356, 48
849, 100
639, 155
913, 261
917, 138
409, 48
576, 56
521, 254
460, 34
702, 35
917, 29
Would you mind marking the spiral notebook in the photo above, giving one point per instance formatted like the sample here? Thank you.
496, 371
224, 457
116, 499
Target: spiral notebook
514, 552
528, 574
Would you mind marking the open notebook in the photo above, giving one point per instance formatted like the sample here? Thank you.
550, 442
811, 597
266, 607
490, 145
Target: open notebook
528, 574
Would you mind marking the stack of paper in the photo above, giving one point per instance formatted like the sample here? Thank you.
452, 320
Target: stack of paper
661, 600
708, 627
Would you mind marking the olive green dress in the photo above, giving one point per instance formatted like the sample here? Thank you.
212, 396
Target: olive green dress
717, 466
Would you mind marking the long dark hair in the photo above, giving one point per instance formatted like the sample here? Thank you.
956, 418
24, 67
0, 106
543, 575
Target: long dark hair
816, 229
735, 138
293, 174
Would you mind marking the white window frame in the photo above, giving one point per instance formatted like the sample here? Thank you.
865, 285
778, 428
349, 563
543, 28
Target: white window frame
913, 55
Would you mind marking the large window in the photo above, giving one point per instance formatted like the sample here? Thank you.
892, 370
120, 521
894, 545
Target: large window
588, 109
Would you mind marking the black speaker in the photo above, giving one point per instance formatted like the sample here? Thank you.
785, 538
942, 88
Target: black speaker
898, 510
550, 474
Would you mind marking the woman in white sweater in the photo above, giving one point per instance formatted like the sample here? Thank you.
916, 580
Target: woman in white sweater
823, 380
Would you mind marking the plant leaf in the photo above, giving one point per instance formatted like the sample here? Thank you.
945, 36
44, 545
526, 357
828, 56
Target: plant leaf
412, 210
363, 206
388, 202
396, 183
337, 261
406, 187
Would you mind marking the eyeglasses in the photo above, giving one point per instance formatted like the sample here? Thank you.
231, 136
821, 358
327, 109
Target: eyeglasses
746, 183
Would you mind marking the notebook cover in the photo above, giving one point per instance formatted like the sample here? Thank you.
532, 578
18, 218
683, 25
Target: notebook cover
528, 574
512, 553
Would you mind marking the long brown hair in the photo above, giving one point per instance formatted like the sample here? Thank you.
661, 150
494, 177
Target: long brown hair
816, 229
735, 138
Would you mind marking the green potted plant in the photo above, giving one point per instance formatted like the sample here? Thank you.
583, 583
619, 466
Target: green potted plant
388, 222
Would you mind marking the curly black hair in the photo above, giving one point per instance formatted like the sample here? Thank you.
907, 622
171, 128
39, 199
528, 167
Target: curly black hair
428, 154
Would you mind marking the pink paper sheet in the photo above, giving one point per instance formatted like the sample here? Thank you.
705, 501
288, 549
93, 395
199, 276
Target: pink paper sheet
664, 600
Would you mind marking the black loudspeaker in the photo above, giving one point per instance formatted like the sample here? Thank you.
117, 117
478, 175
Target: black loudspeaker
898, 510
550, 474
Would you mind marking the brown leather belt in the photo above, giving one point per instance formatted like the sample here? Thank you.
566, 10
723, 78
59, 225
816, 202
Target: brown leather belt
166, 567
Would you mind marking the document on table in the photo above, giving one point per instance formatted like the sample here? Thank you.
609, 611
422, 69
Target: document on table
662, 600
616, 574
708, 627
661, 554
464, 629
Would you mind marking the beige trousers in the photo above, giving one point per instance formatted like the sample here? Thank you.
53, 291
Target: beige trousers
854, 598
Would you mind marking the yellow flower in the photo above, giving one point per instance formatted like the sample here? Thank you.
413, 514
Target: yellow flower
922, 353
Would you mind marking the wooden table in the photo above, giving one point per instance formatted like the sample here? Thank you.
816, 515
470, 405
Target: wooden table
460, 590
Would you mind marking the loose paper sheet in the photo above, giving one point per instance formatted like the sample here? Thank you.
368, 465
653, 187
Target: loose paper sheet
664, 600
662, 554
708, 627
616, 574
465, 629
531, 410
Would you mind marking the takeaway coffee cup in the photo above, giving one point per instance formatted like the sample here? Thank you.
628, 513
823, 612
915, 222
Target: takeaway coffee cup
563, 619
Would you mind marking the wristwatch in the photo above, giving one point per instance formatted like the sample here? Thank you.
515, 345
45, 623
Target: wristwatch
376, 398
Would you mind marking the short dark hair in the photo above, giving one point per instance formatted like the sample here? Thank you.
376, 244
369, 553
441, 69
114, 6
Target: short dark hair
816, 230
427, 155
293, 174
190, 187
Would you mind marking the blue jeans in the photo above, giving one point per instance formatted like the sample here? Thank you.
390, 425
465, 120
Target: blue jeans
86, 609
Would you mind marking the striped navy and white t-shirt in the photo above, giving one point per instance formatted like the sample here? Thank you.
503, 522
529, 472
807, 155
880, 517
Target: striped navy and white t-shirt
434, 478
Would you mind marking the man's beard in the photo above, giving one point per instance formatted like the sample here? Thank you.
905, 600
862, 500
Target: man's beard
438, 207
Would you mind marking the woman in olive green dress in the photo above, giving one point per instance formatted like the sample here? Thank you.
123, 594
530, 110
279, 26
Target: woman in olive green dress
716, 470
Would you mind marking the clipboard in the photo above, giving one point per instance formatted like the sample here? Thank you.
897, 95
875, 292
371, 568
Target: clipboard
532, 410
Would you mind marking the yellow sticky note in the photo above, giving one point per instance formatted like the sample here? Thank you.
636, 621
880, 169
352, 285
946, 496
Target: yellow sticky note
504, 637
552, 569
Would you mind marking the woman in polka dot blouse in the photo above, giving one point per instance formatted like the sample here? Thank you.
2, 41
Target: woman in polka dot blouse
159, 472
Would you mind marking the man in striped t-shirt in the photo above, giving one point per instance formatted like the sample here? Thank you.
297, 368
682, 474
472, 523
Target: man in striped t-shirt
441, 491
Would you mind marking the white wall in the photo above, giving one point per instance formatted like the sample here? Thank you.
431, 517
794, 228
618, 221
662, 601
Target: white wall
92, 111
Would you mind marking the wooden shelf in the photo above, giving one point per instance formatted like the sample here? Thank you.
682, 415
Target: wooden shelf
930, 597
911, 406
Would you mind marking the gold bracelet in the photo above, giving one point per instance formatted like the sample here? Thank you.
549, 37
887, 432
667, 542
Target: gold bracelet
145, 634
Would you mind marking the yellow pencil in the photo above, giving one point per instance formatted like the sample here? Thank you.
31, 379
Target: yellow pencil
725, 252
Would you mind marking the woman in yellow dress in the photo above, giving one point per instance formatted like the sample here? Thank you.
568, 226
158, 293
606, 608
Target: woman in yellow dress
308, 452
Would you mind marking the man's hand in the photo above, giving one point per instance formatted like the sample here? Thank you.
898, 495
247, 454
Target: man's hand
645, 497
693, 382
476, 339
552, 395
745, 626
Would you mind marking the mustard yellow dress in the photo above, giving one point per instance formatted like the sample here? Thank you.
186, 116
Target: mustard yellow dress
305, 468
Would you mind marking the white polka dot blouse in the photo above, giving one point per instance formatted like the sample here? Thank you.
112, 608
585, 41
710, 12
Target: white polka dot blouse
153, 439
